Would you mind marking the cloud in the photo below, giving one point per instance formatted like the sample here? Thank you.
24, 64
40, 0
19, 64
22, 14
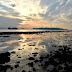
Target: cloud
69, 17
56, 8
6, 11
47, 11
13, 5
8, 22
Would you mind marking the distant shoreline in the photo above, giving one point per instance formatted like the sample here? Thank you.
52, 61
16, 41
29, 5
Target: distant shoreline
36, 32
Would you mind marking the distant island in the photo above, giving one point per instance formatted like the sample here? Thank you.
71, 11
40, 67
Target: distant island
39, 28
50, 28
12, 28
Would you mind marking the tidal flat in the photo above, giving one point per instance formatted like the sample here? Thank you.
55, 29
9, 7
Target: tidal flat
40, 52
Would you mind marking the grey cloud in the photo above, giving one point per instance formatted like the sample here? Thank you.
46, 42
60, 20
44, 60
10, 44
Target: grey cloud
47, 2
69, 17
34, 14
9, 10
8, 22
46, 17
13, 5
56, 8
6, 8
15, 14
3, 13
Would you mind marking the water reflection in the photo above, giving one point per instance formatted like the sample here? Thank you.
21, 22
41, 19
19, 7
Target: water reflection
29, 52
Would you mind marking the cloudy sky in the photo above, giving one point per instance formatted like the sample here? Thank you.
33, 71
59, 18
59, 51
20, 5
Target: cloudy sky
36, 13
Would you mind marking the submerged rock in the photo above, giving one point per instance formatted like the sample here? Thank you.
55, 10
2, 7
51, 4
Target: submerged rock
13, 52
4, 57
61, 60
16, 66
31, 64
4, 68
31, 58
23, 71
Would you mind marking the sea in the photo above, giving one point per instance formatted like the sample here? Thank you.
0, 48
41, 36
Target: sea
28, 30
50, 51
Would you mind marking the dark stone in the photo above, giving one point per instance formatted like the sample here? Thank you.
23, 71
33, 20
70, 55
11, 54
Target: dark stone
31, 58
36, 61
23, 70
34, 53
16, 66
31, 64
19, 57
29, 71
34, 69
41, 58
54, 46
19, 49
4, 68
13, 52
60, 68
31, 45
62, 56
4, 57
54, 70
5, 36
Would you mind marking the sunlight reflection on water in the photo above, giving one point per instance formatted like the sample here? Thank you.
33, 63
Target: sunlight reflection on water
32, 45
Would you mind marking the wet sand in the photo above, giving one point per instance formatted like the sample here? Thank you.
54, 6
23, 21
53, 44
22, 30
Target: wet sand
38, 52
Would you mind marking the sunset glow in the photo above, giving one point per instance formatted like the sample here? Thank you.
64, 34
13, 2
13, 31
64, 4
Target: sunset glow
36, 13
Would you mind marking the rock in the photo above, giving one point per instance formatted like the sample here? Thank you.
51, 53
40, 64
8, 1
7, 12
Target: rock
31, 58
16, 66
4, 57
31, 64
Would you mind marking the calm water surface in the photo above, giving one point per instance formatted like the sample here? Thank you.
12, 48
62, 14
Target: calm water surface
26, 49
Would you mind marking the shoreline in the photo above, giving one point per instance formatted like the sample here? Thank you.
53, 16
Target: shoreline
34, 32
46, 51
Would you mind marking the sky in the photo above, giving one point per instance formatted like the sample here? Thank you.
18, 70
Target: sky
36, 13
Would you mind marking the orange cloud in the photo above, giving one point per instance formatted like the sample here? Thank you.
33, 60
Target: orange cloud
32, 24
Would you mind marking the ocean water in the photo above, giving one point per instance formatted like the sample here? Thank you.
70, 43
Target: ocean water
20, 30
35, 52
27, 30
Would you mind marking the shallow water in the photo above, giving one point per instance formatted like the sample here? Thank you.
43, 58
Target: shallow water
28, 30
20, 30
26, 49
